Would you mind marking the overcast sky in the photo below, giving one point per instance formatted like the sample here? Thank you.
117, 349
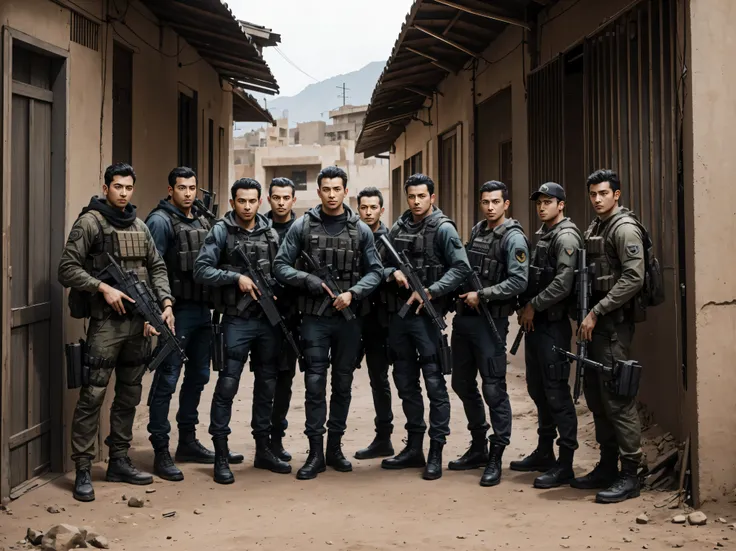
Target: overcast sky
324, 38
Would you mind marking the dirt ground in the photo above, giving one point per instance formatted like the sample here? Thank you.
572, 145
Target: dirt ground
368, 509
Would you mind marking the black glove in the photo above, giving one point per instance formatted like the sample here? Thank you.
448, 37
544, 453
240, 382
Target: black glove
313, 285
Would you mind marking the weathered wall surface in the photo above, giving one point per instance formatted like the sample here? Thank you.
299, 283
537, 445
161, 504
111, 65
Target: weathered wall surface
710, 164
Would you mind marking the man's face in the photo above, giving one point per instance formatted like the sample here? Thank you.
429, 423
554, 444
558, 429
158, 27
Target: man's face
246, 204
370, 210
548, 208
120, 191
281, 200
493, 205
183, 192
419, 199
602, 197
332, 192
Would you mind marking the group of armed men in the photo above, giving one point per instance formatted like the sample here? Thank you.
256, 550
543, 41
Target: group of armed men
347, 287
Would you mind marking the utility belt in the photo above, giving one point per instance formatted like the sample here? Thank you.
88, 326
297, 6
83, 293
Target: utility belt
556, 312
311, 305
187, 289
497, 310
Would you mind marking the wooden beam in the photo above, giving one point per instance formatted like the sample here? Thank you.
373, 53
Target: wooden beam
248, 86
452, 23
485, 14
174, 6
265, 75
424, 93
218, 36
447, 41
433, 59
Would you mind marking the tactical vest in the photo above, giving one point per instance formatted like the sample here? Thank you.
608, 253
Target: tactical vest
180, 258
341, 252
128, 247
543, 268
606, 266
418, 242
261, 250
487, 256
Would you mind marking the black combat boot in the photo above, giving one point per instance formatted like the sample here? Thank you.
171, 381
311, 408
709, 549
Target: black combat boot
475, 457
492, 473
433, 470
625, 487
540, 460
315, 460
83, 490
223, 474
277, 447
602, 476
121, 469
266, 459
380, 447
163, 466
334, 456
560, 474
411, 457
191, 450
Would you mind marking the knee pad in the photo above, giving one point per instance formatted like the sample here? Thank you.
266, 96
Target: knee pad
127, 396
227, 387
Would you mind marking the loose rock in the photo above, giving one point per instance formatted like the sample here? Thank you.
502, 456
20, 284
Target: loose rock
627, 540
697, 518
642, 519
62, 537
679, 519
100, 542
135, 502
168, 514
53, 509
722, 520
198, 511
151, 491
34, 536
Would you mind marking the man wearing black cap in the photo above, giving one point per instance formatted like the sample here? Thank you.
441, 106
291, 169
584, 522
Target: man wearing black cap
545, 319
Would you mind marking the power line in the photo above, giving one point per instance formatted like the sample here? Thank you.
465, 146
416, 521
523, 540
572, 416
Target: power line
290, 62
343, 94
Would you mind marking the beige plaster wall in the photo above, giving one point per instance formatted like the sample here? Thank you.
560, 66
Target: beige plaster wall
156, 81
710, 164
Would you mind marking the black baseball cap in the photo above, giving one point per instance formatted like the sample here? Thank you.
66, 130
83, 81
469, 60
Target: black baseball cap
551, 189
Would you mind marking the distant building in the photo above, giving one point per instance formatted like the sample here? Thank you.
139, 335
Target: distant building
300, 153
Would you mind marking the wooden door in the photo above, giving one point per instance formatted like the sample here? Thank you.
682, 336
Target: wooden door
29, 435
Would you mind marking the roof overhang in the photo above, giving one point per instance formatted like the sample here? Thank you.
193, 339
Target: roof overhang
438, 38
220, 39
247, 109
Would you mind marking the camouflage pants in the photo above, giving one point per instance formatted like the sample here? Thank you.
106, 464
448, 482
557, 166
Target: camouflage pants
122, 344
617, 425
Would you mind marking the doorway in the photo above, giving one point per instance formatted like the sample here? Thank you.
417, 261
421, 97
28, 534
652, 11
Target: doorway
33, 178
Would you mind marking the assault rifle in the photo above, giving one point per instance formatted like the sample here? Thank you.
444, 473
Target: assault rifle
583, 294
324, 272
146, 306
477, 286
624, 376
266, 298
207, 207
415, 284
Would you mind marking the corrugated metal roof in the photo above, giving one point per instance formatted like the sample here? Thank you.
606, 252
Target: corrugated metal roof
213, 30
438, 37
247, 109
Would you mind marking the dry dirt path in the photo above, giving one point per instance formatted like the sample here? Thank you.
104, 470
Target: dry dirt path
368, 509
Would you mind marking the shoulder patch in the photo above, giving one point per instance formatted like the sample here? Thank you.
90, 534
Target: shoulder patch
633, 250
76, 234
520, 255
569, 251
209, 240
456, 242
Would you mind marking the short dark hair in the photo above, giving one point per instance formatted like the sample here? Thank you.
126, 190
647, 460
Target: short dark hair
118, 169
282, 182
419, 180
495, 185
604, 175
370, 192
332, 172
244, 183
180, 172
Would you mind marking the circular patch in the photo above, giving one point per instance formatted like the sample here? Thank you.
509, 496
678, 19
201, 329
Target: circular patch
76, 234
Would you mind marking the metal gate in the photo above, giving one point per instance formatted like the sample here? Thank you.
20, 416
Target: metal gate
630, 100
